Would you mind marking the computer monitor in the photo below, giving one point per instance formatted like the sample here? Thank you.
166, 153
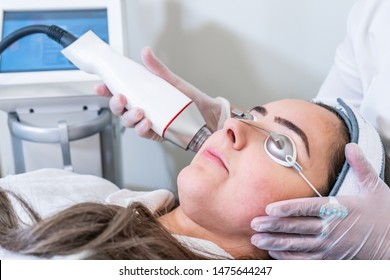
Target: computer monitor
36, 59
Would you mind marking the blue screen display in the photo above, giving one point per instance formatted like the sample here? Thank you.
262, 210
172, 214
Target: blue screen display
37, 52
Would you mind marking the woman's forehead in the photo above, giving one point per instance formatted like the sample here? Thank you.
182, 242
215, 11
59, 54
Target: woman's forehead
288, 105
299, 111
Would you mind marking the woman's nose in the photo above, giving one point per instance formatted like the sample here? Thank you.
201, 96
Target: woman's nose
236, 133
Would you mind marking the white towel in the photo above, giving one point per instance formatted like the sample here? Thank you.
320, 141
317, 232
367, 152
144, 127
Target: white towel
368, 139
154, 200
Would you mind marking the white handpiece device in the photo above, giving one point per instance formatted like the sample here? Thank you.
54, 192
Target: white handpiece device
173, 115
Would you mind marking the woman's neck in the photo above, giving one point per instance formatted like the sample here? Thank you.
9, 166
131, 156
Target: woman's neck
236, 245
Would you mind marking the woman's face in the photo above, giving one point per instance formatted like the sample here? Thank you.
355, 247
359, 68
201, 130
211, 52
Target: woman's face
231, 179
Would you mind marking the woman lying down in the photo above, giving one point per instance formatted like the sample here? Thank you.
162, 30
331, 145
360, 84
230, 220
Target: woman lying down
239, 170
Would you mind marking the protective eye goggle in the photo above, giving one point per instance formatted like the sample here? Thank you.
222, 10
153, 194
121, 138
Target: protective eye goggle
279, 147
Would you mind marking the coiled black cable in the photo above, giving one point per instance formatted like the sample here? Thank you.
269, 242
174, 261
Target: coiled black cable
61, 36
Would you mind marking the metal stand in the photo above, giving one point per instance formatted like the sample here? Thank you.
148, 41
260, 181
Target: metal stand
64, 134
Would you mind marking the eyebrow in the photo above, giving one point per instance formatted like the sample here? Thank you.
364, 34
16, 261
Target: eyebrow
263, 111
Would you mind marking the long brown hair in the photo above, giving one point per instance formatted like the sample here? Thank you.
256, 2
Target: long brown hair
102, 231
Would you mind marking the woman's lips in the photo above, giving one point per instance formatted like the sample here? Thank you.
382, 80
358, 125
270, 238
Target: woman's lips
215, 157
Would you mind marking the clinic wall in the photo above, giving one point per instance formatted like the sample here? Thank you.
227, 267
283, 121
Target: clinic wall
249, 51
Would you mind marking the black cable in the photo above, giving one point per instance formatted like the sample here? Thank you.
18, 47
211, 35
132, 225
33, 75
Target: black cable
54, 32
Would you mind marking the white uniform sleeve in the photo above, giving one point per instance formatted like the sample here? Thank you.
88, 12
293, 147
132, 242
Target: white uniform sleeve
343, 80
361, 72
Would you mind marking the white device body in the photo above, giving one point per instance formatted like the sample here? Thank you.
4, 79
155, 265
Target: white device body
173, 115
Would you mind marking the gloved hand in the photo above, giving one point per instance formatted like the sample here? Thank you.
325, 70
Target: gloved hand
294, 229
214, 110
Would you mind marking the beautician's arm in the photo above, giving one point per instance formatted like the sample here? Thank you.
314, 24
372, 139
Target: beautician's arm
295, 230
213, 110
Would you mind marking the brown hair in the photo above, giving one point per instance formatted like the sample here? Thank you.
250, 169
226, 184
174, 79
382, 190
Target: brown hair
335, 152
104, 231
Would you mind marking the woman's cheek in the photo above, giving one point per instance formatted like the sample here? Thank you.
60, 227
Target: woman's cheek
193, 184
265, 190
185, 179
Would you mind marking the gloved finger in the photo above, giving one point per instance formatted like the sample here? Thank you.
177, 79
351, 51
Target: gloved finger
132, 117
153, 64
286, 242
118, 104
297, 207
144, 129
102, 90
296, 225
360, 165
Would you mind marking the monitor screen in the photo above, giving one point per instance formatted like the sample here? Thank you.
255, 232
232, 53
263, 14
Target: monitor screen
39, 53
